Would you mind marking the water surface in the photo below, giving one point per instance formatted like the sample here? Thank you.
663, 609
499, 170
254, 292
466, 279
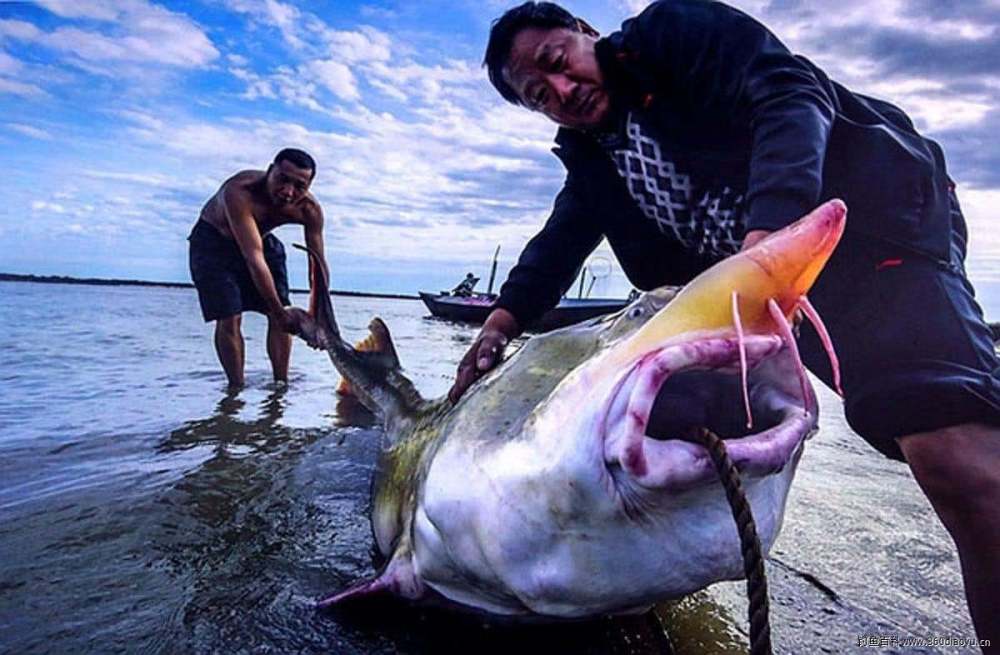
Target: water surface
142, 509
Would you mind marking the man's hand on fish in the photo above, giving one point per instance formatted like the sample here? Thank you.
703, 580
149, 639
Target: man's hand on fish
485, 352
288, 320
299, 322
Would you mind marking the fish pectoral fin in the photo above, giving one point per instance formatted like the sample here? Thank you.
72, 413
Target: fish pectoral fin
397, 578
363, 589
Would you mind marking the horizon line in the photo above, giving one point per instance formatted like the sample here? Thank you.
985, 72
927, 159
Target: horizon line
98, 281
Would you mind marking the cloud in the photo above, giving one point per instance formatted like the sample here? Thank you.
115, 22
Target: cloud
451, 156
381, 13
282, 16
351, 46
972, 155
938, 64
44, 206
137, 178
138, 32
979, 207
328, 56
143, 119
432, 170
22, 89
433, 176
419, 160
295, 85
355, 56
29, 130
633, 6
19, 29
336, 77
8, 65
411, 79
857, 44
107, 10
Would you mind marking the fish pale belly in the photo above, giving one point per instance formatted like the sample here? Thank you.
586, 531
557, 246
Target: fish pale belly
517, 531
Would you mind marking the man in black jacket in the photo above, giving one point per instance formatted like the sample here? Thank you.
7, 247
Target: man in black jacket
692, 133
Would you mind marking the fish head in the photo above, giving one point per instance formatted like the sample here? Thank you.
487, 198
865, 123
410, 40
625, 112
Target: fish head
675, 361
602, 500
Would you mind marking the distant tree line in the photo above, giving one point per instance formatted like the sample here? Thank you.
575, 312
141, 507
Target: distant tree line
65, 279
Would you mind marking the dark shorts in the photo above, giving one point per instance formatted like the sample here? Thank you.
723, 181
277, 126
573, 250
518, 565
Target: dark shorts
915, 352
221, 275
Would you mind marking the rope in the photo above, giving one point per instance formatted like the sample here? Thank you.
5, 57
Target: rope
753, 559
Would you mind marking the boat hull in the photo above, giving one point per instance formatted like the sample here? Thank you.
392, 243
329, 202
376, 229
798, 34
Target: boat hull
475, 309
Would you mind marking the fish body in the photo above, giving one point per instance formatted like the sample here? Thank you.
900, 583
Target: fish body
554, 487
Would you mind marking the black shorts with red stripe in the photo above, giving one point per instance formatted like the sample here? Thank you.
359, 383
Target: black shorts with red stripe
916, 354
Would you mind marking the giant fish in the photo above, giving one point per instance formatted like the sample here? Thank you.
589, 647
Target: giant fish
558, 486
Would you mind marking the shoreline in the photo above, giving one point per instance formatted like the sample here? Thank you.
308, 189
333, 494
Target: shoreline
118, 282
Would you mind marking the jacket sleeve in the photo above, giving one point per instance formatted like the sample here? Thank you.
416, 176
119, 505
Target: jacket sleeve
721, 62
551, 260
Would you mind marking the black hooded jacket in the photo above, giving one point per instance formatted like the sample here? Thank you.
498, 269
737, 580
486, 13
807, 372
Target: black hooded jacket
723, 95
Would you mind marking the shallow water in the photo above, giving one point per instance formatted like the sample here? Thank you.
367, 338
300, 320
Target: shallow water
144, 510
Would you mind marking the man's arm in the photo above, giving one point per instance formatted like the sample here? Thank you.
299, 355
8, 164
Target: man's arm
553, 257
717, 61
313, 228
239, 216
545, 269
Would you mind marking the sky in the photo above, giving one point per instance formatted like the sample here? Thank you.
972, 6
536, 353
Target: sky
120, 118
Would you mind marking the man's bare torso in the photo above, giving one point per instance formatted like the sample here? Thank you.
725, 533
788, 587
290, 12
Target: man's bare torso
265, 214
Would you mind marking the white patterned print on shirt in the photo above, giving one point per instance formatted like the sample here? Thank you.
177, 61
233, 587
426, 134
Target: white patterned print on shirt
712, 224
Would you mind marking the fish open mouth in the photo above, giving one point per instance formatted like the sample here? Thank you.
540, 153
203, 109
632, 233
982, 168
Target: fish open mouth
659, 406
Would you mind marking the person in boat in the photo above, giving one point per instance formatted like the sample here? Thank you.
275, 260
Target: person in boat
237, 265
691, 133
466, 286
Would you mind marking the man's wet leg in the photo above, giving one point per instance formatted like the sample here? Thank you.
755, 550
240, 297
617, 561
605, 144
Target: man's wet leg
279, 349
230, 348
958, 468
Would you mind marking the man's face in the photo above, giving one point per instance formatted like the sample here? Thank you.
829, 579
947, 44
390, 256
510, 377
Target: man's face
555, 71
287, 183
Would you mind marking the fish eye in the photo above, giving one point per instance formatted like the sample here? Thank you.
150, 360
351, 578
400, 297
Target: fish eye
538, 97
636, 312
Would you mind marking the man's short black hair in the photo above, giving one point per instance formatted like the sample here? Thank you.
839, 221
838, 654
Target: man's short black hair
544, 15
299, 158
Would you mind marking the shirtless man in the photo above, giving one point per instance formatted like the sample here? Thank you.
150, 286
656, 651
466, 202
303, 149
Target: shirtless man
238, 266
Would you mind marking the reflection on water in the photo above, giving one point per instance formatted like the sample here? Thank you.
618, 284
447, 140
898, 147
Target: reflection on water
227, 521
240, 522
229, 430
126, 525
699, 625
351, 413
